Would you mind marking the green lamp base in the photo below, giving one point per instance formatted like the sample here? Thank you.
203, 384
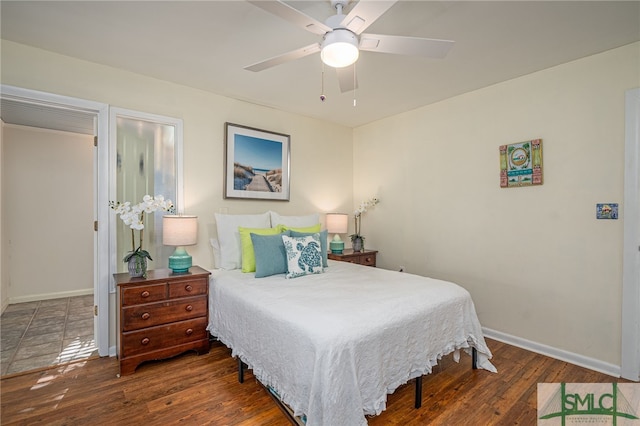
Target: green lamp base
336, 247
180, 261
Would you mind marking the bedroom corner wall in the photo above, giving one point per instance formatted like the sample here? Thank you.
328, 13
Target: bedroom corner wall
537, 262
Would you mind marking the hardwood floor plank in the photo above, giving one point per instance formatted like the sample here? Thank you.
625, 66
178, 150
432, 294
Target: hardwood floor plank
204, 390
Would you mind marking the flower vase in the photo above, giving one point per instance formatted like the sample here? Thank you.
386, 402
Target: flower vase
357, 244
137, 266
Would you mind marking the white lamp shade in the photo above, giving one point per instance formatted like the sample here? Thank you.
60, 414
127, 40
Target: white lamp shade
179, 230
337, 223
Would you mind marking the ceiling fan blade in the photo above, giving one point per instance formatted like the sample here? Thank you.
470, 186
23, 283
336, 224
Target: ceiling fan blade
347, 78
285, 57
414, 46
365, 13
292, 15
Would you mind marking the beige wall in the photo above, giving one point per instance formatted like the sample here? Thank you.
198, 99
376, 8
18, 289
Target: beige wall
538, 264
48, 209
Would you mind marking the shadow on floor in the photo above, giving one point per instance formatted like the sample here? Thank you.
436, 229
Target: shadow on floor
46, 333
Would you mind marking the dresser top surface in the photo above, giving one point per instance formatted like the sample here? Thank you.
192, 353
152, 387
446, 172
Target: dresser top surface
156, 275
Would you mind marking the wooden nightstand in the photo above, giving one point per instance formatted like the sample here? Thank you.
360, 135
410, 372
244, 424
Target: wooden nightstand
364, 257
161, 316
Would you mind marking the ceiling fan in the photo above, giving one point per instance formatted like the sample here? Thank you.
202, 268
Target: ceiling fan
343, 37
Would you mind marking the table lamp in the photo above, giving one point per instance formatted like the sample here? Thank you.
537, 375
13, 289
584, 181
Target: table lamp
179, 231
337, 223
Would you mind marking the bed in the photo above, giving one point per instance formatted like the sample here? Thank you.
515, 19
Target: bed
333, 345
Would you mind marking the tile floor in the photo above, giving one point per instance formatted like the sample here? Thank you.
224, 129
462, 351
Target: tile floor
47, 332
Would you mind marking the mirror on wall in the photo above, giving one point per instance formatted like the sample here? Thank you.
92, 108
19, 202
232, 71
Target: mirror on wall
147, 162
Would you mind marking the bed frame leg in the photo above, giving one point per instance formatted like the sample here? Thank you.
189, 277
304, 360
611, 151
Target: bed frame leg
240, 370
474, 358
418, 401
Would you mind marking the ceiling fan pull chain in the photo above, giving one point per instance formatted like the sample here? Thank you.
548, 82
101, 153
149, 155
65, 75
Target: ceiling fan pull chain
354, 85
322, 95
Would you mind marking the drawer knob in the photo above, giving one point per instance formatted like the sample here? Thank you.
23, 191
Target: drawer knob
146, 316
145, 341
189, 308
188, 288
189, 331
144, 294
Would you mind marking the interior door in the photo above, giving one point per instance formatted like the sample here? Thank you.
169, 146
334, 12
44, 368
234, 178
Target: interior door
147, 154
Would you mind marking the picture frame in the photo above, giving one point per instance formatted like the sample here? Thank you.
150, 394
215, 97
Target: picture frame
521, 164
257, 163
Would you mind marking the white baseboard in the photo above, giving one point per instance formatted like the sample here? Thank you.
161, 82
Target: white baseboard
562, 355
112, 351
47, 296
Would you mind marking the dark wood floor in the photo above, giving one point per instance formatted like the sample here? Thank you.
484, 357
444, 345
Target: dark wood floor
201, 390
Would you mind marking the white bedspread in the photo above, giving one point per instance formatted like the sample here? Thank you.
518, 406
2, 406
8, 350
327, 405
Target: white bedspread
333, 345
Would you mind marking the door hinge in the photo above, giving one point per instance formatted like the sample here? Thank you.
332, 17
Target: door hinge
95, 310
95, 141
95, 225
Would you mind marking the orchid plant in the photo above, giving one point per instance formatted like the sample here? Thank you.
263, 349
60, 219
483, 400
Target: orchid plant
362, 208
133, 216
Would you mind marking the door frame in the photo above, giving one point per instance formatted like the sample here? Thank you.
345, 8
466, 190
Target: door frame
630, 359
101, 269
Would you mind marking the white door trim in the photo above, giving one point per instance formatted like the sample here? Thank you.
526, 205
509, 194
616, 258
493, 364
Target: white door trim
101, 269
630, 360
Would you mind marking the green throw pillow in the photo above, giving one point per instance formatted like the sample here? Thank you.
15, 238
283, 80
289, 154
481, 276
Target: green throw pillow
310, 229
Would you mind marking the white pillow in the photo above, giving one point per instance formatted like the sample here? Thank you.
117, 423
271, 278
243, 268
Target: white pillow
229, 236
294, 221
215, 245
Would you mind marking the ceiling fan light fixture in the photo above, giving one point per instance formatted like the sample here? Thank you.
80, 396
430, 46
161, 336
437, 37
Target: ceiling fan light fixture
339, 48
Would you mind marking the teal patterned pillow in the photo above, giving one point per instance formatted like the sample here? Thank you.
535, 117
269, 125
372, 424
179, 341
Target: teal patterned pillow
303, 255
323, 243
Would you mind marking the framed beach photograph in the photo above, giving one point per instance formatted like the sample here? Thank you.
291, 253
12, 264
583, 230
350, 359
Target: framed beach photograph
256, 163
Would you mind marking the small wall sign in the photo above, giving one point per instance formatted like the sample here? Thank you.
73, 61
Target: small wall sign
607, 211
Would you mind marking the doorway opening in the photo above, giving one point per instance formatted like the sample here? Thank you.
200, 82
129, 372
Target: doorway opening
54, 114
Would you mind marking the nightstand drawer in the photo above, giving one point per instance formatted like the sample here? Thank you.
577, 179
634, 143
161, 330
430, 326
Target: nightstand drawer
367, 260
160, 337
141, 316
144, 294
188, 288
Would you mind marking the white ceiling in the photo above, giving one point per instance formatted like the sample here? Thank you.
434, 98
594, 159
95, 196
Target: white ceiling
206, 44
